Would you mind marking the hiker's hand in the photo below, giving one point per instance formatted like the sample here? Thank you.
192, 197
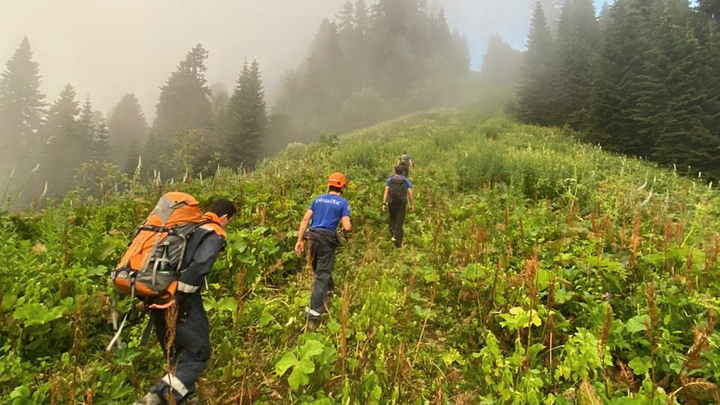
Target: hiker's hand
299, 246
411, 208
384, 207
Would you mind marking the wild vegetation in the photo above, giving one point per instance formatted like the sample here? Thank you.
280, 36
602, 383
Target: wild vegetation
535, 270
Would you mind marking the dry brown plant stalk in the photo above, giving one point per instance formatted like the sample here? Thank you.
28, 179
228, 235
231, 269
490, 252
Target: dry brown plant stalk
607, 323
635, 241
171, 315
343, 326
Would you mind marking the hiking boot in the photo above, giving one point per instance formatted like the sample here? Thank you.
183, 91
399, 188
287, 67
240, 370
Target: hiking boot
312, 325
149, 399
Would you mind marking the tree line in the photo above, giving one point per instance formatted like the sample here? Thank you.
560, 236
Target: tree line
641, 79
371, 63
65, 143
367, 64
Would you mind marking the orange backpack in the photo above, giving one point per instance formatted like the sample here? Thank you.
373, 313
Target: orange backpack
152, 263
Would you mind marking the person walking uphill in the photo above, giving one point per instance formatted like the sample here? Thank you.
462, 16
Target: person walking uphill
406, 163
325, 212
190, 350
398, 194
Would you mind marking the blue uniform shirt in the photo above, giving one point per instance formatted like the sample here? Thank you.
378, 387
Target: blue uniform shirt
327, 210
407, 182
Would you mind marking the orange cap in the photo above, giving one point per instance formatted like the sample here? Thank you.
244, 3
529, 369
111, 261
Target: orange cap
336, 180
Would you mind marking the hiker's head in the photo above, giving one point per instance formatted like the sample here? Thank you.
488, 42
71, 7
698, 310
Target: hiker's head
398, 169
224, 209
336, 182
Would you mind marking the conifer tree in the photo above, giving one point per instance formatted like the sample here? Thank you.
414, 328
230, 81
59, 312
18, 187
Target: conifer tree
362, 17
500, 68
245, 120
577, 40
536, 87
710, 7
184, 101
127, 129
683, 136
22, 107
86, 126
346, 18
101, 146
65, 150
622, 92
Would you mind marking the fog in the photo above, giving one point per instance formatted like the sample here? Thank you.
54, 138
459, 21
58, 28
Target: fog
106, 48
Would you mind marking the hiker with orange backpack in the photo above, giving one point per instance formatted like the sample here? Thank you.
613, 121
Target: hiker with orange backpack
165, 265
398, 194
323, 217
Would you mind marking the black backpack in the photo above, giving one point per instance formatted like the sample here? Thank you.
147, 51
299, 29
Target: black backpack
397, 189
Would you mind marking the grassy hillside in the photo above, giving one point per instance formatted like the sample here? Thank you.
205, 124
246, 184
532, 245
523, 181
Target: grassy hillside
535, 270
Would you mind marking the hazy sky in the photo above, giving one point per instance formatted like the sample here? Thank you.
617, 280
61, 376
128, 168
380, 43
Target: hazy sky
106, 48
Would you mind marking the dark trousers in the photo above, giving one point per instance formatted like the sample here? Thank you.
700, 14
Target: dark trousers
322, 253
191, 349
396, 220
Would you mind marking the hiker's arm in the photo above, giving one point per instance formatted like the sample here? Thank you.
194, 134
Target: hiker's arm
385, 198
411, 164
346, 226
301, 232
410, 198
202, 261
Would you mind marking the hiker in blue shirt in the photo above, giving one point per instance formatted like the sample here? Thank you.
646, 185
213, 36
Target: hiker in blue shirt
398, 194
325, 212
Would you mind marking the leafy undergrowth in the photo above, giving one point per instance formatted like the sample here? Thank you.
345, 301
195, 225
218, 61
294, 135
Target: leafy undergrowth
535, 270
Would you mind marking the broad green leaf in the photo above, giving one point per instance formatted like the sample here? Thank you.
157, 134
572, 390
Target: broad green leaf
306, 365
637, 323
287, 361
265, 318
452, 356
640, 365
311, 348
226, 304
298, 378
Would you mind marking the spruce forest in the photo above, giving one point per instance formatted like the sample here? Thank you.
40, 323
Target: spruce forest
564, 246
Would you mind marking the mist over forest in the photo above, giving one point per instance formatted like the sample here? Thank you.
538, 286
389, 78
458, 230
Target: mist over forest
366, 62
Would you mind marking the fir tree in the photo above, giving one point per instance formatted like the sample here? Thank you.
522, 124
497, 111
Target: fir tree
22, 109
536, 87
683, 136
577, 40
500, 68
621, 89
362, 18
710, 7
245, 121
127, 129
346, 18
101, 147
86, 126
65, 150
184, 102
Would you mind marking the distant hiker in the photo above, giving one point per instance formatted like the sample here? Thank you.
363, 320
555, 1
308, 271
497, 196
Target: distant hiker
398, 194
325, 212
406, 163
190, 350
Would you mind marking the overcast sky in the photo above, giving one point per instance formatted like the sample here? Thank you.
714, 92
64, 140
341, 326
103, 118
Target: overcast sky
106, 48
